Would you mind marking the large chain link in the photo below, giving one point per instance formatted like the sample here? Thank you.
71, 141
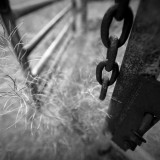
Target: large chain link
120, 11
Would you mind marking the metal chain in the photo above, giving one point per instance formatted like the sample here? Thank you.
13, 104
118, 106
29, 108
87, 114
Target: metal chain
120, 11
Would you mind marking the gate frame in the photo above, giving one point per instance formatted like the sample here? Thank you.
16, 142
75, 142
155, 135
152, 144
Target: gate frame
141, 58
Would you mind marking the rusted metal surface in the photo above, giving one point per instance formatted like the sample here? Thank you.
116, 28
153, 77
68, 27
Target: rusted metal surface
55, 64
20, 11
130, 96
104, 88
39, 37
141, 113
8, 19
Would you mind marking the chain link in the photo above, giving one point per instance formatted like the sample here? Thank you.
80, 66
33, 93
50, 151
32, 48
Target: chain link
104, 88
99, 70
107, 20
122, 7
120, 11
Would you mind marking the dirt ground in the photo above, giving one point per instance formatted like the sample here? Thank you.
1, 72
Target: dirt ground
70, 123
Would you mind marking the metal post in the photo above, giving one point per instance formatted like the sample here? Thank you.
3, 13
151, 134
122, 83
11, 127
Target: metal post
42, 33
9, 23
84, 15
74, 12
46, 56
27, 9
142, 57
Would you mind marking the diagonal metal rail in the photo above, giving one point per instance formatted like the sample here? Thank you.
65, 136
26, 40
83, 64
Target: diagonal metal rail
8, 18
19, 10
55, 63
37, 39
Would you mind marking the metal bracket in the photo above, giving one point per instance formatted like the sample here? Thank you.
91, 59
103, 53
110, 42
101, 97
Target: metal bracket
140, 113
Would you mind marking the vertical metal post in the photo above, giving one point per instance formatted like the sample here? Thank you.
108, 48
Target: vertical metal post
142, 57
84, 15
12, 31
74, 12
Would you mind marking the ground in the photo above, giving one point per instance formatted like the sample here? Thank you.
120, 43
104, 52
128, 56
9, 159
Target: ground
69, 125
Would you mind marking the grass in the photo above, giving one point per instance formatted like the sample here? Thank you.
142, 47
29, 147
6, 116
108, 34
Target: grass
51, 133
66, 127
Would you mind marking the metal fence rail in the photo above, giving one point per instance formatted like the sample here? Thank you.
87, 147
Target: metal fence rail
54, 65
19, 11
9, 16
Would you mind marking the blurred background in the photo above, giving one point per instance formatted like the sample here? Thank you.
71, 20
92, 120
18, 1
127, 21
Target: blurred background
69, 124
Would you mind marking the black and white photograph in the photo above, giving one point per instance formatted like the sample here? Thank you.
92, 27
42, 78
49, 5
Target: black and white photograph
79, 80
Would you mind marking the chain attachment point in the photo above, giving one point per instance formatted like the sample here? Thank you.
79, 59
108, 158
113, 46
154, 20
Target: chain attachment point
107, 20
121, 11
99, 69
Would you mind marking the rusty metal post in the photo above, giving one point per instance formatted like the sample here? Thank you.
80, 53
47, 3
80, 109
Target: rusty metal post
142, 57
84, 15
24, 10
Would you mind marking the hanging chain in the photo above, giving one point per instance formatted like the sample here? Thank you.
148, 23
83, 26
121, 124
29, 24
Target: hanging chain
120, 11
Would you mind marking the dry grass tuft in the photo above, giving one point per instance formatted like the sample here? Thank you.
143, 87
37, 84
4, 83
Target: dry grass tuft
68, 121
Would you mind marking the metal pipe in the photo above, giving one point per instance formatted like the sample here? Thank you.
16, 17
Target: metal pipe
35, 41
55, 62
19, 11
46, 56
